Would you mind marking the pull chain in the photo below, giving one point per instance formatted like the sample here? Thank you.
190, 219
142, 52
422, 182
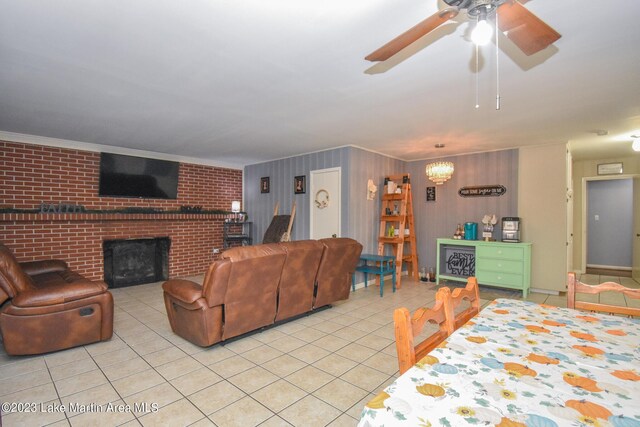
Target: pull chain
477, 75
497, 66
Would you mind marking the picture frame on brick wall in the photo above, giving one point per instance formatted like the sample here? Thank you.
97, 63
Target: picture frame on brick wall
264, 184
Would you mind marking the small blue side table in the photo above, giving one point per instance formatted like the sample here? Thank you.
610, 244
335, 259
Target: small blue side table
382, 264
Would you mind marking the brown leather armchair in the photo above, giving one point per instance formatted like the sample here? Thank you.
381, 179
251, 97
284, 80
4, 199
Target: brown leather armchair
45, 307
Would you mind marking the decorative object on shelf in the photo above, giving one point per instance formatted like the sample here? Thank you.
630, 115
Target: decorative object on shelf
264, 184
431, 194
470, 231
439, 172
489, 222
610, 168
322, 199
190, 209
391, 186
235, 206
300, 184
423, 275
482, 191
459, 234
432, 275
372, 189
61, 208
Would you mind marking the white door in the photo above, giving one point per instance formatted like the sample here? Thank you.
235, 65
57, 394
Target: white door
635, 265
325, 203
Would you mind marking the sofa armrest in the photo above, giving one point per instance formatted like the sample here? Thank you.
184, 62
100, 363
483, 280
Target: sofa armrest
33, 268
59, 294
183, 290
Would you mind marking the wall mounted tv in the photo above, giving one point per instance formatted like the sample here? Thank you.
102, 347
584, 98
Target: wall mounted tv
129, 176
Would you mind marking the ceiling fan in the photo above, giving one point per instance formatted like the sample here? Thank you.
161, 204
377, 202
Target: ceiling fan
528, 32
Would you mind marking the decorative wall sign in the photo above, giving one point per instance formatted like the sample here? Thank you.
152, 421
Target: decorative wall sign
264, 184
300, 184
460, 261
609, 168
482, 191
431, 194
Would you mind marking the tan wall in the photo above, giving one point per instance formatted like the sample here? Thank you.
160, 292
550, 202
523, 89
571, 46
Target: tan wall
542, 205
585, 169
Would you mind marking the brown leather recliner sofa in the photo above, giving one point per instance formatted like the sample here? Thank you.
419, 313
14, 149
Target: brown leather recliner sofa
45, 307
255, 286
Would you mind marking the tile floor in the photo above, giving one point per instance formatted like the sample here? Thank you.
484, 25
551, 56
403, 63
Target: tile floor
315, 371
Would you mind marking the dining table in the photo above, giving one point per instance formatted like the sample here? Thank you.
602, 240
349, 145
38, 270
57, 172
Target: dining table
521, 364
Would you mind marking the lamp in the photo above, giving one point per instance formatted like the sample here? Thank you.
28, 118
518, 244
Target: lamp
636, 143
235, 207
481, 34
439, 172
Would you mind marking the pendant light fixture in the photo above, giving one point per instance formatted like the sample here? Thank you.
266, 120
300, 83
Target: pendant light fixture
439, 172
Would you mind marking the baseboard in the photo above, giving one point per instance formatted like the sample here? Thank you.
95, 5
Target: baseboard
608, 267
544, 291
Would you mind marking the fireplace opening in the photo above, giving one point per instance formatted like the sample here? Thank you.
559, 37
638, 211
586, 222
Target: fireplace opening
134, 262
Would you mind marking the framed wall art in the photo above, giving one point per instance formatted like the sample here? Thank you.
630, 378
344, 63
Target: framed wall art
264, 184
300, 184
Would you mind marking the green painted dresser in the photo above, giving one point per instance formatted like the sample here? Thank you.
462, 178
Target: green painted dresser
505, 265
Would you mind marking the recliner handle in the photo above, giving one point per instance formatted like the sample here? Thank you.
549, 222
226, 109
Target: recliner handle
86, 311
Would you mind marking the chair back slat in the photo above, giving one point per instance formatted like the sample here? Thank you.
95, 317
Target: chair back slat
574, 287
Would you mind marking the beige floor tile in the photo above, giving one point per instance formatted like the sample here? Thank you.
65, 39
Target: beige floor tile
141, 337
253, 379
343, 420
291, 327
241, 345
309, 378
279, 395
24, 381
154, 397
231, 366
275, 421
216, 397
262, 354
309, 353
213, 355
340, 394
309, 334
22, 367
383, 362
327, 326
284, 365
375, 342
335, 364
356, 352
268, 336
178, 367
179, 413
351, 334
364, 377
287, 344
37, 418
66, 356
345, 320
80, 382
38, 394
114, 357
124, 369
356, 410
99, 348
164, 356
116, 415
64, 423
245, 412
83, 401
205, 422
331, 343
310, 411
73, 368
195, 381
137, 382
151, 346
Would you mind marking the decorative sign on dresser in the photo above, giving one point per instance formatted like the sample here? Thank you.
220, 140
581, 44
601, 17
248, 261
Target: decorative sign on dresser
499, 264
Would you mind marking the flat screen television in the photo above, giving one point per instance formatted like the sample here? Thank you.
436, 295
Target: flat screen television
129, 176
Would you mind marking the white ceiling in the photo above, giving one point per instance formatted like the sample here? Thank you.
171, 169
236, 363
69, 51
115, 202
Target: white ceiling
243, 81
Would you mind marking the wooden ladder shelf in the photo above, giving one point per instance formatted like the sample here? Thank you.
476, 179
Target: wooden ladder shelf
400, 205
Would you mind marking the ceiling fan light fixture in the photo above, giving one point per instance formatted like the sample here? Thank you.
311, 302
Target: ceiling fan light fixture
481, 34
439, 172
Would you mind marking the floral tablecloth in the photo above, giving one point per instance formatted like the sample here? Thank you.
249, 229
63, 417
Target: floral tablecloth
519, 363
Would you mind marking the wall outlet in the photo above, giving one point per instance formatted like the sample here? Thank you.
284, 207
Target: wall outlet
216, 251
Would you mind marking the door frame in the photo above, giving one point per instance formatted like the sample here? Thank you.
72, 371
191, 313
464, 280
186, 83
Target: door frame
338, 199
585, 204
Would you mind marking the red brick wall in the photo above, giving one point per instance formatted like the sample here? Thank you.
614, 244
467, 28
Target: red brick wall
32, 174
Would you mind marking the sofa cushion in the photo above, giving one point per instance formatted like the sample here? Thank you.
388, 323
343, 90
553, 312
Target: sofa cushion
183, 290
59, 293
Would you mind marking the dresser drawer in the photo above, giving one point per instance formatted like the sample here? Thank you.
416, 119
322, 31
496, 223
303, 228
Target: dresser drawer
502, 252
496, 278
499, 265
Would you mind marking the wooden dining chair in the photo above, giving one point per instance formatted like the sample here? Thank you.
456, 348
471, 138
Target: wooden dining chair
472, 295
574, 287
408, 327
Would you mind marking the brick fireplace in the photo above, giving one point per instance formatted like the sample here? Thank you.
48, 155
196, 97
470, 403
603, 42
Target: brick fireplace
33, 174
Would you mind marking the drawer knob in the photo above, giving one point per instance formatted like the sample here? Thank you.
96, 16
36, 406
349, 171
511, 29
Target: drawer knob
499, 277
499, 252
499, 265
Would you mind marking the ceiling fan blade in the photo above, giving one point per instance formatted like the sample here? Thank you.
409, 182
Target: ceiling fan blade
525, 29
418, 31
